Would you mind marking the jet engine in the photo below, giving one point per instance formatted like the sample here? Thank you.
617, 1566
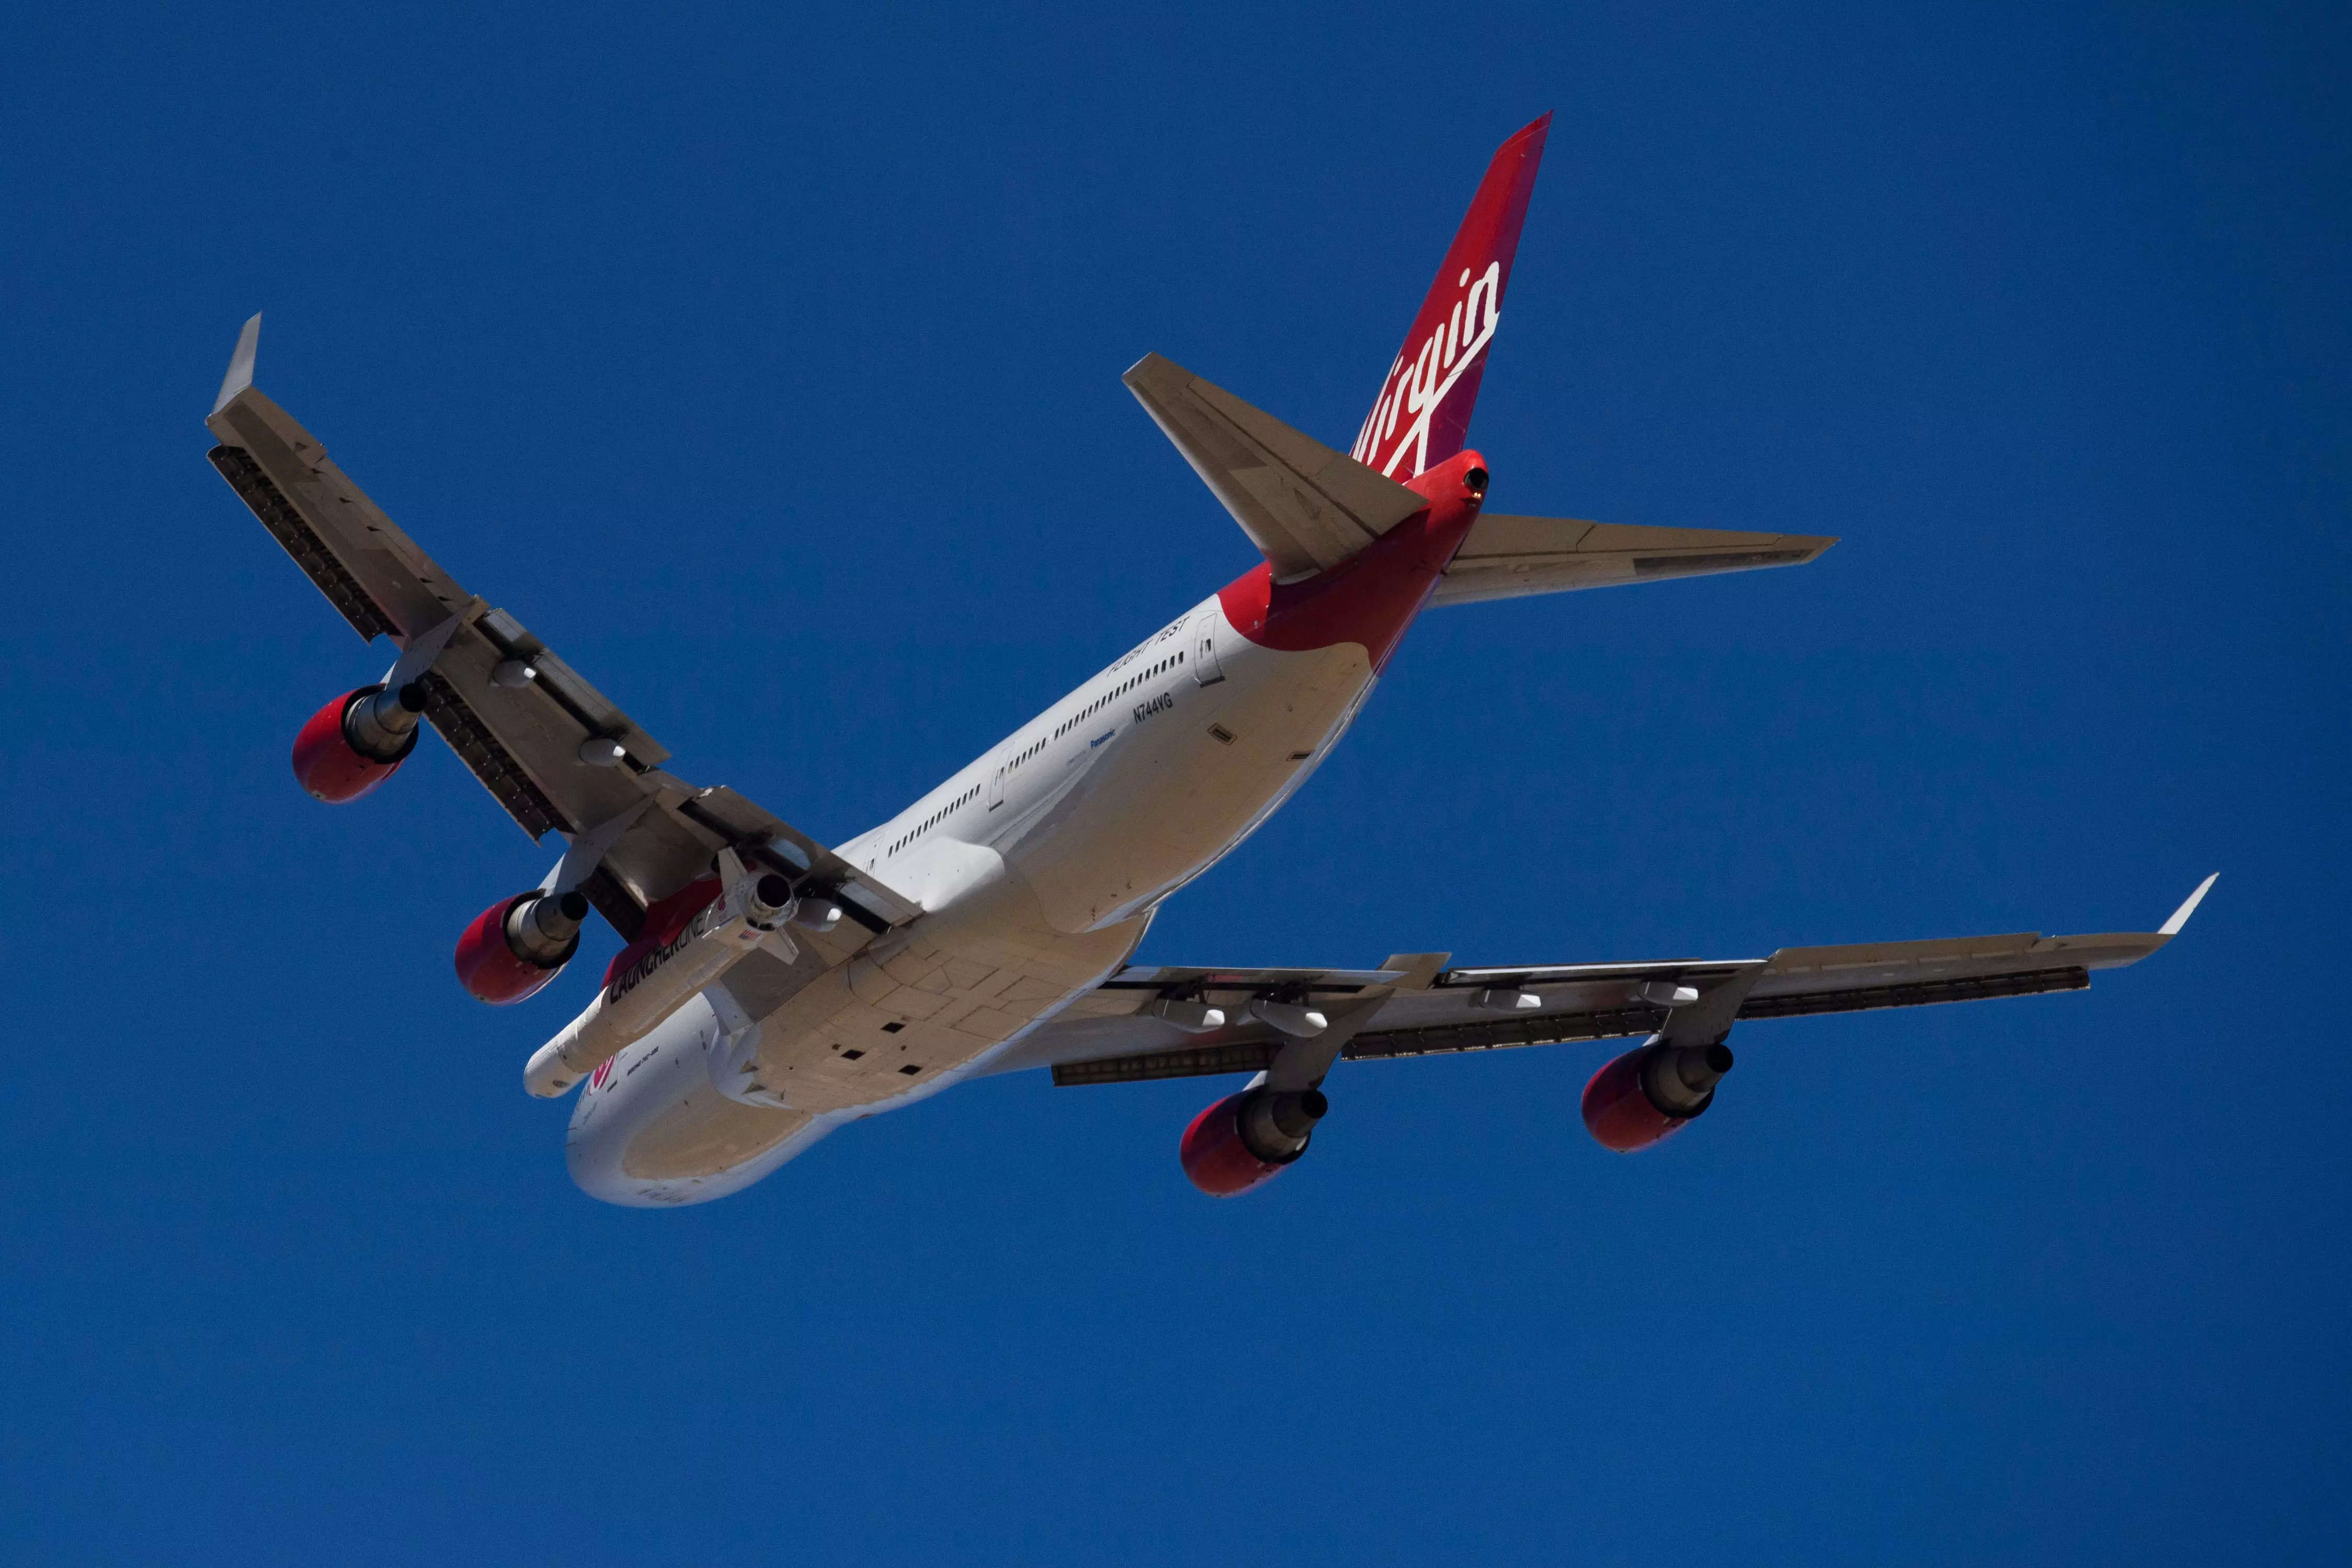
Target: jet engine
355, 742
1651, 1091
1247, 1139
518, 944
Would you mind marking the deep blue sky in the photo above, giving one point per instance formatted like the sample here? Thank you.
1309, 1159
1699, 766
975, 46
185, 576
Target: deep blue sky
768, 366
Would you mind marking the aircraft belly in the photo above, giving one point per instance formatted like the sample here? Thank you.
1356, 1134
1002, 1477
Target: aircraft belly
903, 1019
705, 1135
690, 1113
1180, 788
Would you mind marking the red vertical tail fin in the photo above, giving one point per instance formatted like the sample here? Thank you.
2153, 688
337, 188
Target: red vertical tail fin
1423, 414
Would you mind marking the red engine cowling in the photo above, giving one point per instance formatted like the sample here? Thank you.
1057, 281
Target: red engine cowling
357, 741
1651, 1090
1246, 1140
518, 944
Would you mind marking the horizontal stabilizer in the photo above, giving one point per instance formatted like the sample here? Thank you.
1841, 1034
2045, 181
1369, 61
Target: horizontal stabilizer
1509, 556
1303, 505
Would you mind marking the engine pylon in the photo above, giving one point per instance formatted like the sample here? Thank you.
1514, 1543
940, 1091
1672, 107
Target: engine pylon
640, 991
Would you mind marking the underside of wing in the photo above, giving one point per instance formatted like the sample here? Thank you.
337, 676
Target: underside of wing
554, 751
1114, 1035
1509, 556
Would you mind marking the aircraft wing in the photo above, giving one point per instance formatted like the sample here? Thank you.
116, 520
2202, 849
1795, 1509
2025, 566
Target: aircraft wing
552, 750
1413, 1005
1508, 557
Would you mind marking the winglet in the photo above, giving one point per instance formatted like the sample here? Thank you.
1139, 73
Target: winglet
240, 363
2180, 915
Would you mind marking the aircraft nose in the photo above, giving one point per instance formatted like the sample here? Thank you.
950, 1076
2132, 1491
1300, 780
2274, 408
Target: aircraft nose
591, 1156
593, 1147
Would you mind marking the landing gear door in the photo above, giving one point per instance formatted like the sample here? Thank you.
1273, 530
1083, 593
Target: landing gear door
1206, 670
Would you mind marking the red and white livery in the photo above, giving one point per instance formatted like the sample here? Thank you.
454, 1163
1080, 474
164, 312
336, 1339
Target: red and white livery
771, 988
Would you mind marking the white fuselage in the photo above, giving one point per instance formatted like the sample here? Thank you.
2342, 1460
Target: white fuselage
1038, 867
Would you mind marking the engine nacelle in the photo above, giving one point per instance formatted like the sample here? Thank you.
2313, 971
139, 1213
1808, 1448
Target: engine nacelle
1651, 1090
1245, 1140
518, 944
355, 742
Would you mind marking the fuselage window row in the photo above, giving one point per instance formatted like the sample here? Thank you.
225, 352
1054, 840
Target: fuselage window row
1030, 752
1096, 706
936, 817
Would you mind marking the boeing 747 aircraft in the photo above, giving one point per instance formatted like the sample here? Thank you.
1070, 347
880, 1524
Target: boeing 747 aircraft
772, 988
